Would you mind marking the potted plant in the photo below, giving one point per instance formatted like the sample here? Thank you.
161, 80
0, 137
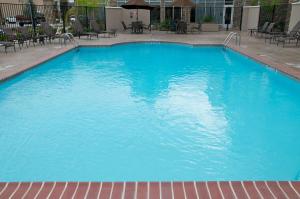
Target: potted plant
209, 25
164, 25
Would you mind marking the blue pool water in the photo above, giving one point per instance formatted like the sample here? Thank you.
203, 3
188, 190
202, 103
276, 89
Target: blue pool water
150, 112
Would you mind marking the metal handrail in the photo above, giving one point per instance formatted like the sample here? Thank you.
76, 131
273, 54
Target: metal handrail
70, 37
230, 36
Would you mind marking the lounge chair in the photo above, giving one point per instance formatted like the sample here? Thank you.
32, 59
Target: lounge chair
79, 30
283, 37
269, 31
98, 29
7, 44
293, 36
262, 29
126, 27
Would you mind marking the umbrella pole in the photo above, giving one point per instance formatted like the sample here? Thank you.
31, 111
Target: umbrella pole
180, 13
173, 14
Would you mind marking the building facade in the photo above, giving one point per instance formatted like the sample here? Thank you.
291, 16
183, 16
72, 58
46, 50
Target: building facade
218, 9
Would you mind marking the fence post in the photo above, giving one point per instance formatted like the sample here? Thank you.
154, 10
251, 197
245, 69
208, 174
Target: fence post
273, 13
32, 15
104, 10
63, 15
63, 10
86, 17
1, 16
241, 18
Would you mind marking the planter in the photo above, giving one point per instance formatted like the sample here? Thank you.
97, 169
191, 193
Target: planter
210, 27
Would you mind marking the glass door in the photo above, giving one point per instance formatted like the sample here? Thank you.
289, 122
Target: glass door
228, 16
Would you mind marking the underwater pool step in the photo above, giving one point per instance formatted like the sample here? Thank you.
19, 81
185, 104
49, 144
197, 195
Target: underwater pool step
151, 190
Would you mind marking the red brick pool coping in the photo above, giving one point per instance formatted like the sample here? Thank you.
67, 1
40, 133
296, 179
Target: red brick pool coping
152, 190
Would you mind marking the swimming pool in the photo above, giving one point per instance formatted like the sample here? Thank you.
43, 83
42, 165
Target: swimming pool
150, 111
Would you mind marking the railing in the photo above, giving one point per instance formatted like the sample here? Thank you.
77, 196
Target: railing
13, 16
231, 35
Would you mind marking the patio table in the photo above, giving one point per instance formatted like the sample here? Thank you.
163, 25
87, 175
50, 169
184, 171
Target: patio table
137, 27
252, 31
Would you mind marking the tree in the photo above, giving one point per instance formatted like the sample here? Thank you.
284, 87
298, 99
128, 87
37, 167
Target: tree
90, 3
30, 9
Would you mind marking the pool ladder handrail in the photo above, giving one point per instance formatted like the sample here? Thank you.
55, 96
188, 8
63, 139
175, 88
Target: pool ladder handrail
70, 37
72, 40
230, 36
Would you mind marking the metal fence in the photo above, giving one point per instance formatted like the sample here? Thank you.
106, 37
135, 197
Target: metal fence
19, 15
275, 13
227, 15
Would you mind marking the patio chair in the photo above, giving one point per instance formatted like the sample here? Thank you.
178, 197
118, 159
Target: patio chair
79, 30
10, 38
47, 31
10, 34
147, 27
181, 27
172, 26
137, 27
125, 27
25, 37
195, 27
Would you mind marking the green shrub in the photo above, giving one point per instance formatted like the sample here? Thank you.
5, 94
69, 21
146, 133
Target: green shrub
208, 19
101, 24
165, 25
254, 2
2, 37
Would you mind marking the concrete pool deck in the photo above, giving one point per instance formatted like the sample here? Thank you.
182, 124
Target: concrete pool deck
286, 59
151, 190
